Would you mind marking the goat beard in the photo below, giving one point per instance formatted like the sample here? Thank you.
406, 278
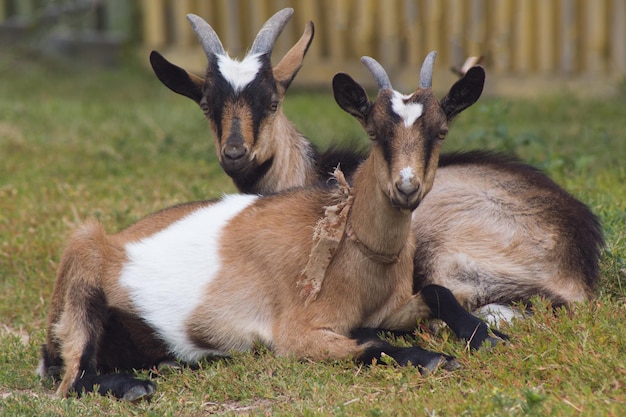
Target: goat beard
247, 174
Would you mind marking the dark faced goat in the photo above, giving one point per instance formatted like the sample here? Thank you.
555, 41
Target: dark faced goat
493, 230
257, 146
207, 278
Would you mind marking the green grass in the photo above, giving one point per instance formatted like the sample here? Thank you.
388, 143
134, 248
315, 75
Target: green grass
116, 145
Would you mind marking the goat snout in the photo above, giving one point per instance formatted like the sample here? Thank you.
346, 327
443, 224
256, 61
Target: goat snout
408, 184
234, 159
234, 147
406, 197
407, 189
234, 151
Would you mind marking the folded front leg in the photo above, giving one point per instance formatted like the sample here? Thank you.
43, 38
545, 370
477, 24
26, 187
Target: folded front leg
443, 305
427, 361
362, 345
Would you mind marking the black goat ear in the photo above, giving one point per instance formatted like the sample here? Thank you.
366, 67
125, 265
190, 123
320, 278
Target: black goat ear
176, 78
464, 92
351, 97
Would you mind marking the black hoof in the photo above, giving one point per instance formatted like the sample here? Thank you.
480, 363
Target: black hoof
500, 335
481, 338
445, 362
54, 372
139, 392
122, 386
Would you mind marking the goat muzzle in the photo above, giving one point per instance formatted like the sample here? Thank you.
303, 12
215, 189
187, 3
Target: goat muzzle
406, 196
235, 160
235, 152
406, 199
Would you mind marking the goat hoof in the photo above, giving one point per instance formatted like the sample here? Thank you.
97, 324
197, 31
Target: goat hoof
445, 362
483, 339
450, 364
501, 336
489, 342
142, 391
169, 367
54, 372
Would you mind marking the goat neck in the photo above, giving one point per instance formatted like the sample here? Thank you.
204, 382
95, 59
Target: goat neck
292, 158
378, 227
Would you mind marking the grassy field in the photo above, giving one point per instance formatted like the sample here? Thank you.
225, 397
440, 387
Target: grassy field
116, 145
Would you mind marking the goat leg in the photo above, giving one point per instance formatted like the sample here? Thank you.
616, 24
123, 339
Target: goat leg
443, 305
427, 361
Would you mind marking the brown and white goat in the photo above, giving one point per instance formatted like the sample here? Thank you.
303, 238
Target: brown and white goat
257, 146
207, 278
494, 230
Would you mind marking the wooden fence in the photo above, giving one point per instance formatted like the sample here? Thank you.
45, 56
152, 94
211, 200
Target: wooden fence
90, 31
527, 44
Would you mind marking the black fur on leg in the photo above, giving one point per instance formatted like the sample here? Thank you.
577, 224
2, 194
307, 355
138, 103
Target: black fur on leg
122, 386
465, 326
51, 365
425, 360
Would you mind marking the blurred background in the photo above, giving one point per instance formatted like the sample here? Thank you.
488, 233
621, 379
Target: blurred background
528, 46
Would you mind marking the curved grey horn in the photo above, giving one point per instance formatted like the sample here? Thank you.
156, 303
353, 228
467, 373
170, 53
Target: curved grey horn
377, 70
206, 35
426, 73
265, 39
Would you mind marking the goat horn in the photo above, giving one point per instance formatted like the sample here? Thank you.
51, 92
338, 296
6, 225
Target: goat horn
265, 39
378, 72
426, 73
206, 35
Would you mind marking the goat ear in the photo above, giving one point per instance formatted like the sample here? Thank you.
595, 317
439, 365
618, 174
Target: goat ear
351, 97
176, 78
464, 92
286, 70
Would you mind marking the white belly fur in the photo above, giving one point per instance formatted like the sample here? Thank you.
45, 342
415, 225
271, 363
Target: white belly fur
166, 273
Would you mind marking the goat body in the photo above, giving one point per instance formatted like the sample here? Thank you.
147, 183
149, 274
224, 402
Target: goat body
494, 230
207, 278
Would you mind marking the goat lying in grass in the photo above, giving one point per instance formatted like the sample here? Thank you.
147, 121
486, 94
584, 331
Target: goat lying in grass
207, 278
493, 230
257, 146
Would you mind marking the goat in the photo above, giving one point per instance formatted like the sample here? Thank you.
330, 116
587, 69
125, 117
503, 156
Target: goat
514, 233
257, 146
207, 278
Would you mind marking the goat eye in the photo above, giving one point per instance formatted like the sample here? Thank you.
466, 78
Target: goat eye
205, 108
442, 134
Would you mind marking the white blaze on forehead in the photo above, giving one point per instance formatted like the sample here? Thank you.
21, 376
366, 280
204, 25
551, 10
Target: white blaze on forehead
409, 112
407, 175
239, 74
167, 273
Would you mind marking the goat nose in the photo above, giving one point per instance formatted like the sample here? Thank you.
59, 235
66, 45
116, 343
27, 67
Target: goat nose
407, 188
234, 152
408, 183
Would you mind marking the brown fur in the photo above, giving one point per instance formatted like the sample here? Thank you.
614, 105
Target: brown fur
318, 330
278, 157
492, 231
92, 260
496, 233
263, 251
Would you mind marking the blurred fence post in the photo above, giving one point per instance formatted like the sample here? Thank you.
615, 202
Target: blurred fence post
553, 40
